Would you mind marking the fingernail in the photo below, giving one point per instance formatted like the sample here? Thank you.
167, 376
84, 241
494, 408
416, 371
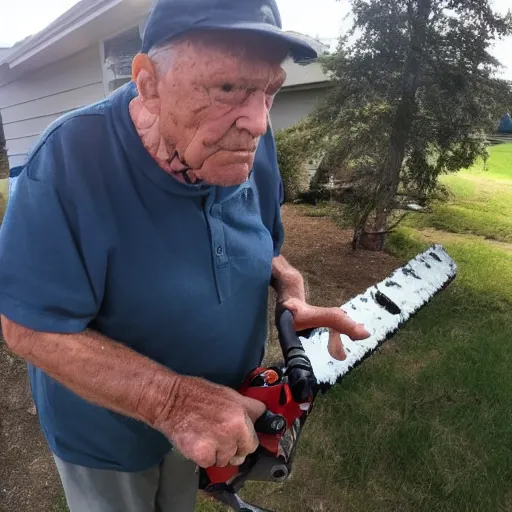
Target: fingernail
363, 331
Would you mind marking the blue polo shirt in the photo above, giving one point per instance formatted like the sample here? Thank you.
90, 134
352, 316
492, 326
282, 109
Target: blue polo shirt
98, 236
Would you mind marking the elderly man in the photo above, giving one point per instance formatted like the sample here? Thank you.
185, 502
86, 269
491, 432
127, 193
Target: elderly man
136, 256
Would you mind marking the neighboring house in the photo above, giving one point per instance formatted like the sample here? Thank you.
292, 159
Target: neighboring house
86, 54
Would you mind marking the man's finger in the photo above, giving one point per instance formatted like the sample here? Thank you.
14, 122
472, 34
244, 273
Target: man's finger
225, 458
308, 317
246, 445
237, 461
335, 347
253, 408
249, 442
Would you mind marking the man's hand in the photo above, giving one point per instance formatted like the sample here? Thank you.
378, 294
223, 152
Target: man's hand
210, 424
291, 295
306, 316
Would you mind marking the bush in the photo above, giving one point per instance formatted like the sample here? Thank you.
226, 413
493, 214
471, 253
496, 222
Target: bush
296, 146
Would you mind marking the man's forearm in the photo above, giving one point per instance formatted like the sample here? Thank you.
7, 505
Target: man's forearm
98, 369
206, 423
287, 281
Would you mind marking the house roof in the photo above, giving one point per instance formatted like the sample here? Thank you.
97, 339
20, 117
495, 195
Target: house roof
56, 27
82, 26
79, 27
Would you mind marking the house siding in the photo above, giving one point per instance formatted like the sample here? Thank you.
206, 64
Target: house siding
297, 74
294, 105
33, 101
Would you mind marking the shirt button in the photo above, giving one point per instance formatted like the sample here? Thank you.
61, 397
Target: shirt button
220, 250
216, 211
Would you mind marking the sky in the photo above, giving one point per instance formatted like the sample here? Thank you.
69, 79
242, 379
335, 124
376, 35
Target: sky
319, 18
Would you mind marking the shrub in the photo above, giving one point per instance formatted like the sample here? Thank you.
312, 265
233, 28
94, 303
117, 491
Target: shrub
296, 146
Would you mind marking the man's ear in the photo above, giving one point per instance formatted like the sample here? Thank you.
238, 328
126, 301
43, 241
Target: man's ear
144, 75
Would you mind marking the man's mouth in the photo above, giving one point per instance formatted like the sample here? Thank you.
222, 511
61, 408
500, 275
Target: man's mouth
242, 157
246, 146
234, 156
241, 149
244, 152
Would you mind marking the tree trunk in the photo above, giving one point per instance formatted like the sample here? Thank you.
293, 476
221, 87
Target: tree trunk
405, 113
360, 234
371, 241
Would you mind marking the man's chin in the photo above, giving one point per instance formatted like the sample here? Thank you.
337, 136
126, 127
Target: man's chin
225, 177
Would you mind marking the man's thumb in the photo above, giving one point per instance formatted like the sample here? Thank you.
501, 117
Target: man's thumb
254, 408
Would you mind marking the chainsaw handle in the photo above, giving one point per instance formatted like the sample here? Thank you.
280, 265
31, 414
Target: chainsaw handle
299, 370
288, 338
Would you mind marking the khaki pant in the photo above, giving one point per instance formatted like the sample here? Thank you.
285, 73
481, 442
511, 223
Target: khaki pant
170, 487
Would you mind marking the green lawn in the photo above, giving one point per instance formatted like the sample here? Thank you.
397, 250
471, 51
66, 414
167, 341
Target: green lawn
426, 424
499, 164
482, 202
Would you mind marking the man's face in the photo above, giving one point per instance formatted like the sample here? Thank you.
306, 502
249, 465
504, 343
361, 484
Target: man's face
215, 99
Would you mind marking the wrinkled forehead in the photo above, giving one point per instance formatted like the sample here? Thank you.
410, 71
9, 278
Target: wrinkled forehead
217, 50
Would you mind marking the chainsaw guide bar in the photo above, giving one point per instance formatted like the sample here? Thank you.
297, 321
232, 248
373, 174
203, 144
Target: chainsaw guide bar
382, 309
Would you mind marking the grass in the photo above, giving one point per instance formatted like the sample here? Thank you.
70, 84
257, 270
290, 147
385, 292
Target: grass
61, 505
499, 164
481, 202
426, 424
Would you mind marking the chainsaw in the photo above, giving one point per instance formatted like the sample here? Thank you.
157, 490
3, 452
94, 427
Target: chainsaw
289, 391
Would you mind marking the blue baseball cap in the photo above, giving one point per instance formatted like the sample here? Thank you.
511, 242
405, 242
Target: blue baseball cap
172, 18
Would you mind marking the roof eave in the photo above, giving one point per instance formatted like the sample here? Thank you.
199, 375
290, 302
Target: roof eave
60, 28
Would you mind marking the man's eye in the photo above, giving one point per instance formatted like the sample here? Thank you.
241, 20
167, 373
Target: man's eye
229, 93
227, 87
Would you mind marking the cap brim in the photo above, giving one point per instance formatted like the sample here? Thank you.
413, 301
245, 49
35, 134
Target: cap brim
299, 49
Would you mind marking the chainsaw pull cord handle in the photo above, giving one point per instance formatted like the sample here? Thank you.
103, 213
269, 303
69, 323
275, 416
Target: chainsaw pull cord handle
300, 374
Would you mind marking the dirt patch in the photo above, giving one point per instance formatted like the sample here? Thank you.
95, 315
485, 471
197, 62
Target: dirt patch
334, 273
316, 246
28, 479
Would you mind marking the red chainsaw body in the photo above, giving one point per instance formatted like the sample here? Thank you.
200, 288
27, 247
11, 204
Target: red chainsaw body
267, 386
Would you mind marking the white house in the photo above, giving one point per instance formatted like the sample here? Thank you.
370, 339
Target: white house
85, 54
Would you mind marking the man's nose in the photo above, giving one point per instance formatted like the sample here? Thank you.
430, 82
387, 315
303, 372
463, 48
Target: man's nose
254, 114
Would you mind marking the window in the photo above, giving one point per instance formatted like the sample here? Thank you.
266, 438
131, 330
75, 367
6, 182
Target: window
118, 53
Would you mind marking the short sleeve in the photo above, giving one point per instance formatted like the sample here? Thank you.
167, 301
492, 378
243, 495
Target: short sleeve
46, 284
278, 235
278, 229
